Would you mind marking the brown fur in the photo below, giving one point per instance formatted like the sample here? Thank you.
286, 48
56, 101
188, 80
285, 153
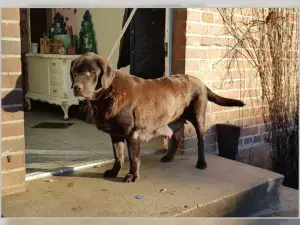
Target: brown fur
137, 110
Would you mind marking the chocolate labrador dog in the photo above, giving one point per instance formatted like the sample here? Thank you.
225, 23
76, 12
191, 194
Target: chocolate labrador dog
136, 110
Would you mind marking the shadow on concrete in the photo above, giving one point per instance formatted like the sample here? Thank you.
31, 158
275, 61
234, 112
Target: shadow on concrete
93, 175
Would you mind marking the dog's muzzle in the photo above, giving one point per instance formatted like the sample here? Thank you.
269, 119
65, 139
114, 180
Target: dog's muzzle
76, 91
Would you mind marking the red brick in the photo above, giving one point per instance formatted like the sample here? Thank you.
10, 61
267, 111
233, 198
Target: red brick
256, 156
12, 129
213, 9
213, 53
207, 17
218, 19
12, 114
249, 131
210, 139
217, 117
247, 12
11, 30
254, 112
192, 65
193, 16
243, 64
196, 53
11, 81
224, 85
210, 148
224, 52
11, 65
207, 41
230, 42
257, 138
193, 41
10, 47
250, 93
248, 140
240, 84
220, 41
205, 9
232, 94
193, 28
215, 75
239, 113
216, 30
10, 14
16, 161
244, 122
13, 145
13, 178
216, 108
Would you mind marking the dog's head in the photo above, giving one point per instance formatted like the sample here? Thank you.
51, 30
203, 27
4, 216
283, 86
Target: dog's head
90, 73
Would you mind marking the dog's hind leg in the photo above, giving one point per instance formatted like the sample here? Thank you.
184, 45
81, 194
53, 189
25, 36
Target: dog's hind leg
172, 148
118, 147
174, 140
198, 120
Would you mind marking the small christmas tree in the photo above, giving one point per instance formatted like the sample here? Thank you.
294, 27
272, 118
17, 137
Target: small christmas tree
87, 41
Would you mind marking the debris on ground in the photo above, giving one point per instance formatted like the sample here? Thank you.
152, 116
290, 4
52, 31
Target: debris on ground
138, 197
163, 190
76, 208
49, 180
185, 206
70, 184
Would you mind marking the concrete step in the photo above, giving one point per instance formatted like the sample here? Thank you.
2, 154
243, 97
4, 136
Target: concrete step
225, 188
288, 205
149, 221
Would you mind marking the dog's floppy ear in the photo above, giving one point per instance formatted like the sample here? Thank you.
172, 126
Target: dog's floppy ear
71, 74
107, 74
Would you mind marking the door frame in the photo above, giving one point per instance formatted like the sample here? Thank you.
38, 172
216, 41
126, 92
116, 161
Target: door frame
168, 41
168, 56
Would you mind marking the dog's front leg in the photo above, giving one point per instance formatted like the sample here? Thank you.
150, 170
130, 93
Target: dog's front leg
133, 146
118, 147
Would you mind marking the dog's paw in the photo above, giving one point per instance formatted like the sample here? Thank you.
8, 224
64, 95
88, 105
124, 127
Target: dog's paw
110, 173
201, 165
130, 178
166, 158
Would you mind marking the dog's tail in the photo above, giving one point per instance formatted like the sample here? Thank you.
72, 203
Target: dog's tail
219, 100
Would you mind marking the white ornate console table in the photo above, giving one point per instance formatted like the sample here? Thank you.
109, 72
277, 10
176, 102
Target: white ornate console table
49, 80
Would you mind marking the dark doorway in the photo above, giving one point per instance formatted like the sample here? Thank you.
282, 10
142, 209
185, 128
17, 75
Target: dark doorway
143, 44
38, 24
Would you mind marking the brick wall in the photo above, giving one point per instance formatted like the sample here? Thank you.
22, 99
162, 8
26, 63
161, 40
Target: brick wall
12, 140
199, 43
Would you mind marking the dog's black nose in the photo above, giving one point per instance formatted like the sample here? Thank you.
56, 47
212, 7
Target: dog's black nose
76, 89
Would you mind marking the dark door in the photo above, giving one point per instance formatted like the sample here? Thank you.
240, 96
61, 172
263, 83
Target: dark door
38, 24
142, 46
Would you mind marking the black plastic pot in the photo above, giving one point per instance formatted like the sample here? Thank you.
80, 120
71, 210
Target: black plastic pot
228, 140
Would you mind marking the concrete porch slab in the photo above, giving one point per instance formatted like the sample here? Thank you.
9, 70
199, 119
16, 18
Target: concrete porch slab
224, 187
149, 221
